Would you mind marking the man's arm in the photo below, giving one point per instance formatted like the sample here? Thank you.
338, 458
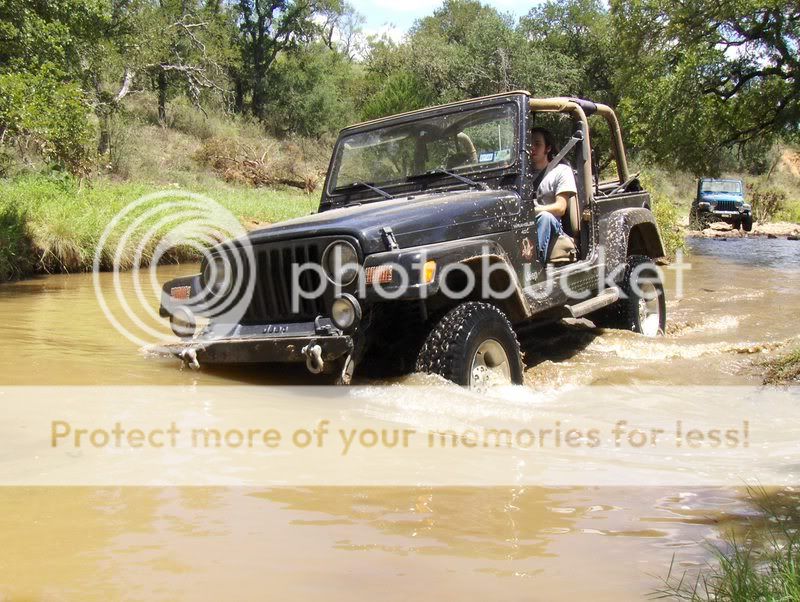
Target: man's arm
559, 207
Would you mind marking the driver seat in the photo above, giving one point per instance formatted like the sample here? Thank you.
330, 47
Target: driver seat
564, 251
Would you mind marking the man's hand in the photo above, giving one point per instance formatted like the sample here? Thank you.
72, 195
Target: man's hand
559, 208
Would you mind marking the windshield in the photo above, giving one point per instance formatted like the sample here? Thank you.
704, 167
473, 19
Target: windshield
731, 186
466, 141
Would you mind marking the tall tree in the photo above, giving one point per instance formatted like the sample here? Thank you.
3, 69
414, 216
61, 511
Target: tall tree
579, 29
269, 27
704, 75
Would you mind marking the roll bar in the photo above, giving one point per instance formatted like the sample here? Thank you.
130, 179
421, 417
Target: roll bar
576, 107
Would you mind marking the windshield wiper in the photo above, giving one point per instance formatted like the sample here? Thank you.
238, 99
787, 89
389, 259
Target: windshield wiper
440, 171
354, 185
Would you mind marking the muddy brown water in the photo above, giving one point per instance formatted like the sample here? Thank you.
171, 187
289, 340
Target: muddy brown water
739, 304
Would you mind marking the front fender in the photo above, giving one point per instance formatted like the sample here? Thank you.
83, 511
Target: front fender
172, 288
477, 254
629, 231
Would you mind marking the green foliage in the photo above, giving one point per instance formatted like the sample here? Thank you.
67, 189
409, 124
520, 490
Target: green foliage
759, 560
783, 370
580, 30
766, 202
54, 225
466, 49
402, 91
667, 216
51, 115
699, 77
16, 257
52, 32
311, 92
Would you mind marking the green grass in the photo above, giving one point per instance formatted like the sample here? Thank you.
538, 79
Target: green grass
758, 561
783, 370
49, 225
790, 213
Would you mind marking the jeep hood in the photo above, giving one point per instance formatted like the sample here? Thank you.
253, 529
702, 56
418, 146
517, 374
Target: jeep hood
415, 220
711, 197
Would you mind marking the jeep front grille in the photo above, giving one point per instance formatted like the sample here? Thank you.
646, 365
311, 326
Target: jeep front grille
726, 206
273, 294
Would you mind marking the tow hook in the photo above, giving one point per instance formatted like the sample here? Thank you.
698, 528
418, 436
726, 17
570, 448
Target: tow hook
189, 358
347, 371
314, 361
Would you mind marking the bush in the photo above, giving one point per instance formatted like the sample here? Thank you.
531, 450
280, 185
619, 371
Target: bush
766, 202
289, 163
667, 217
16, 256
41, 112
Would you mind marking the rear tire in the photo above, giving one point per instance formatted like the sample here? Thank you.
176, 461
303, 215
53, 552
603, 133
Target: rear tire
642, 307
473, 346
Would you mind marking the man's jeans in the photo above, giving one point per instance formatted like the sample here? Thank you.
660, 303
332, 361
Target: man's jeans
547, 227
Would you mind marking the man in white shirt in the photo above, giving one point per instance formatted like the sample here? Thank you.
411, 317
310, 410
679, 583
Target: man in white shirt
553, 193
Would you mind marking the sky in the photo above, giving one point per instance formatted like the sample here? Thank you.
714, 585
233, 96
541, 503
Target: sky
395, 17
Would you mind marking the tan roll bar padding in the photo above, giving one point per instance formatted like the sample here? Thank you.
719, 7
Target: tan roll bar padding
617, 146
565, 105
465, 145
574, 214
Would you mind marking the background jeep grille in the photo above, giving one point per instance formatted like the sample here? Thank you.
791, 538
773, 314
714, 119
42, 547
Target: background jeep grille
726, 206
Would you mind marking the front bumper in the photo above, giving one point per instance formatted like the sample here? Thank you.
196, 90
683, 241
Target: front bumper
264, 344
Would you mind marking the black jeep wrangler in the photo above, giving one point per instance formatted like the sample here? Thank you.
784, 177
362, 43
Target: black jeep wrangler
419, 257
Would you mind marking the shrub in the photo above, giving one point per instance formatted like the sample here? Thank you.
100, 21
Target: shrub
16, 256
266, 164
766, 202
39, 111
667, 217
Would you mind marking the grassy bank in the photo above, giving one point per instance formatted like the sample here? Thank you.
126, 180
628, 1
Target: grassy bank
759, 560
50, 222
783, 370
49, 225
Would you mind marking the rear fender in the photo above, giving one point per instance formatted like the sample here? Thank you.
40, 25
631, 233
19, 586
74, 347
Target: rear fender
630, 231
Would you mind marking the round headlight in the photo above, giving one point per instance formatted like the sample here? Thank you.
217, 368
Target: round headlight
345, 312
217, 276
183, 323
340, 262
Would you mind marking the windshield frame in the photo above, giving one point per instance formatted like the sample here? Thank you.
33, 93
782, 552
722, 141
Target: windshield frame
712, 181
399, 187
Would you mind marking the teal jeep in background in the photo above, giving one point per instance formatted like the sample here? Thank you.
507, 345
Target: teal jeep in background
720, 201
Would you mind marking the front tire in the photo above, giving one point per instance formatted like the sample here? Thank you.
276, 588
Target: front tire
473, 346
747, 223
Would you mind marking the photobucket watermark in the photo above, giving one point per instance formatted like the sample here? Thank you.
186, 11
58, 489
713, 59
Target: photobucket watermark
487, 275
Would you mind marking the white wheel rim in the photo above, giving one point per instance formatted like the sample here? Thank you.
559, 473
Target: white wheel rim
490, 366
649, 310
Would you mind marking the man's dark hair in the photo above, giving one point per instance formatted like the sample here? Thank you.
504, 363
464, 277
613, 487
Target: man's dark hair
549, 141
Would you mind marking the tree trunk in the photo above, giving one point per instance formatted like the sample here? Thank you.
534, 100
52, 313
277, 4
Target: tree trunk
104, 145
238, 101
162, 97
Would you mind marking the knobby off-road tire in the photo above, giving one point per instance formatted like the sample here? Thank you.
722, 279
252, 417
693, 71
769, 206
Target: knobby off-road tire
473, 345
747, 223
633, 312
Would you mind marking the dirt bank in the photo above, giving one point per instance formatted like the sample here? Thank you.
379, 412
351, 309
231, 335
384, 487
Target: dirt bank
787, 230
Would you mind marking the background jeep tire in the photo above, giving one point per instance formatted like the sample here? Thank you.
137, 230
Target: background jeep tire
632, 312
471, 345
747, 223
